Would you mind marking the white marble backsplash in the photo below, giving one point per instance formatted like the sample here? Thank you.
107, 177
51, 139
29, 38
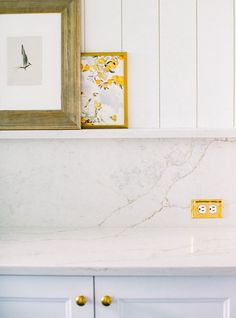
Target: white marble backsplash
114, 183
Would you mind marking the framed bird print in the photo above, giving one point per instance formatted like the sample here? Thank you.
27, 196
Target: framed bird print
24, 62
40, 64
104, 90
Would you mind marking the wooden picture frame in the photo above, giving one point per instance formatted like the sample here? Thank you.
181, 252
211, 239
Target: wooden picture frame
104, 91
68, 117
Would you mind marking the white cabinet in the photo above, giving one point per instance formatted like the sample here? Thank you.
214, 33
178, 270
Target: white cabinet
138, 297
166, 297
45, 297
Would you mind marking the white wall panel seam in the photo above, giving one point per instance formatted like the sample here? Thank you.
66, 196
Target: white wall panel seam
178, 63
140, 40
103, 25
216, 64
159, 65
196, 120
122, 28
234, 63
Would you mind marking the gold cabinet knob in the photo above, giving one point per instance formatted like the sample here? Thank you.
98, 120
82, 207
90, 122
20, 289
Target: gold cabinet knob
106, 300
81, 300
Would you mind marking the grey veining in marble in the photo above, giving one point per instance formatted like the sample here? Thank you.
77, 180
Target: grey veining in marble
114, 183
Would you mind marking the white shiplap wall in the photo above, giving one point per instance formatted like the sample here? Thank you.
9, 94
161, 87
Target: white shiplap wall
133, 27
216, 63
181, 58
177, 63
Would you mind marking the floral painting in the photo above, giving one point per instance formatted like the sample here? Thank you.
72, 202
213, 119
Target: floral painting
103, 90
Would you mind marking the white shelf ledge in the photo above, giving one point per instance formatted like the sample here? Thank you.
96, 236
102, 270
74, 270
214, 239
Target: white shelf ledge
119, 134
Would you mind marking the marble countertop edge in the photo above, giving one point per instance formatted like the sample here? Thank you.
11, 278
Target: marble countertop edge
116, 271
114, 252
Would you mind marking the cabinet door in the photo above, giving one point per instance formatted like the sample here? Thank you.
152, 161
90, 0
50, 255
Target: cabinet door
45, 297
166, 297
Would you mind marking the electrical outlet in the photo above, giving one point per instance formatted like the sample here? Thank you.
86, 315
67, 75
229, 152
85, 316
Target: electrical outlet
203, 209
213, 208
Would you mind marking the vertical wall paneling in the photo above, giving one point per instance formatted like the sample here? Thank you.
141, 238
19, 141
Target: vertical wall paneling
215, 63
177, 63
140, 40
181, 58
102, 25
234, 61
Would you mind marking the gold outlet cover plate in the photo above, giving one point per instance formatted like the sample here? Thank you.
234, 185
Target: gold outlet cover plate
207, 209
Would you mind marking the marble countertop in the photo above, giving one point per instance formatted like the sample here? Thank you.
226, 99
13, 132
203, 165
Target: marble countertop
118, 251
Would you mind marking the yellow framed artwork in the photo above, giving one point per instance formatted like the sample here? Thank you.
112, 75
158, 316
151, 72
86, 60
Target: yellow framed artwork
104, 90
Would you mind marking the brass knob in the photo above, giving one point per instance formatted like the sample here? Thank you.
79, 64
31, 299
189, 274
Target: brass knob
81, 300
106, 300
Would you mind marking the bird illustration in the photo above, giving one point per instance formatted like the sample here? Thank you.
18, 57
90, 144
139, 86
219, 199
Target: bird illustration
26, 62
